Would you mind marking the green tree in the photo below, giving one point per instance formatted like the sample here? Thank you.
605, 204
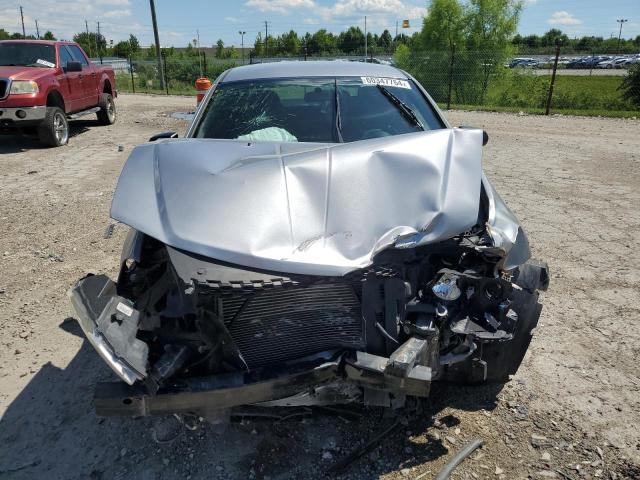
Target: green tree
351, 41
48, 35
289, 43
92, 43
443, 26
385, 42
258, 46
219, 48
630, 85
134, 44
4, 35
491, 25
554, 35
321, 43
122, 49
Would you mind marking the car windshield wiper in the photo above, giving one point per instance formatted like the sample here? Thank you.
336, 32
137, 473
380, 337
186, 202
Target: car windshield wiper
338, 117
405, 109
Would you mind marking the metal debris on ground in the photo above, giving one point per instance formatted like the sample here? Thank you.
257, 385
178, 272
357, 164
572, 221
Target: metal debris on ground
367, 447
459, 457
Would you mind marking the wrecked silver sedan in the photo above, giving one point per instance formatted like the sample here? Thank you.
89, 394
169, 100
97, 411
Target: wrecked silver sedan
321, 236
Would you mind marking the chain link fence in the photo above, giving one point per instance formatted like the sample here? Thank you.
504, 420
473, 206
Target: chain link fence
455, 79
542, 83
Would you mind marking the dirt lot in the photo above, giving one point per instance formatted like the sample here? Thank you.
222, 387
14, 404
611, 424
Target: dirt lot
571, 412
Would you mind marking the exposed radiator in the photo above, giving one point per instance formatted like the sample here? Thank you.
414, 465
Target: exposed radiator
280, 324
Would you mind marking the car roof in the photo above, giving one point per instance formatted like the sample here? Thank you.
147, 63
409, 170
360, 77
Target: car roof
43, 42
315, 68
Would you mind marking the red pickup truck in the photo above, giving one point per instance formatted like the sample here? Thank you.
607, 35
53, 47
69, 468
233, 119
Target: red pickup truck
43, 84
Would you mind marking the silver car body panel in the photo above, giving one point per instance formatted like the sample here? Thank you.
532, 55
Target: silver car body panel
322, 209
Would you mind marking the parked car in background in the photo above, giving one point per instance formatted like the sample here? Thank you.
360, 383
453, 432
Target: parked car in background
617, 62
523, 63
43, 84
323, 235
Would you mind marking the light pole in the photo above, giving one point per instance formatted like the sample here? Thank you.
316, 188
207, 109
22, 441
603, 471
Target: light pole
620, 21
242, 43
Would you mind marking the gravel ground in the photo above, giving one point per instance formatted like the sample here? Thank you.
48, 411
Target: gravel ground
571, 412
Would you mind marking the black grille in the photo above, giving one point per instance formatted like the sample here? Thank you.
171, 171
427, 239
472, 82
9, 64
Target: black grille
4, 83
274, 326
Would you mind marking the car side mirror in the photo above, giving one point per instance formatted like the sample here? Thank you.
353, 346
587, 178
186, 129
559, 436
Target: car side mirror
73, 67
159, 136
485, 135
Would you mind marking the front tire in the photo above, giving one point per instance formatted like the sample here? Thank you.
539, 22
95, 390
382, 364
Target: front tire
107, 113
54, 129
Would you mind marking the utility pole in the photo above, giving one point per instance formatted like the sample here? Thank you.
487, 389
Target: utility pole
365, 38
266, 35
553, 78
241, 32
24, 34
98, 44
199, 52
620, 21
396, 29
37, 30
86, 25
157, 40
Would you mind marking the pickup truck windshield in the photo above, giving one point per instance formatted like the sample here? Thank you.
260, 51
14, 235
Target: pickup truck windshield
330, 110
27, 55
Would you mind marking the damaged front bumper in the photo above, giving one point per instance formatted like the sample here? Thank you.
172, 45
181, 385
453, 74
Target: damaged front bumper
110, 322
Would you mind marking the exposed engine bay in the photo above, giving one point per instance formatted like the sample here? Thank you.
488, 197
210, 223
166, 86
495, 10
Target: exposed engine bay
190, 332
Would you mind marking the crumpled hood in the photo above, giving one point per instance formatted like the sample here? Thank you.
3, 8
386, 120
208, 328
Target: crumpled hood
322, 209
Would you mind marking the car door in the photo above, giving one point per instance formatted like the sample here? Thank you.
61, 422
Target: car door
88, 78
70, 81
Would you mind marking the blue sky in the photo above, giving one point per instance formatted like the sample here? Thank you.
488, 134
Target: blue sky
180, 20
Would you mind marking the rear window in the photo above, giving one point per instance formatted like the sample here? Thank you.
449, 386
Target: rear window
308, 110
27, 55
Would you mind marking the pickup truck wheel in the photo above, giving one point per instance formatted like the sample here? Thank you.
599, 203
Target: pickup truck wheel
54, 129
107, 113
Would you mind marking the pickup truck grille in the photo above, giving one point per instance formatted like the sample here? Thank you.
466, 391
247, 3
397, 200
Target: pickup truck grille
4, 88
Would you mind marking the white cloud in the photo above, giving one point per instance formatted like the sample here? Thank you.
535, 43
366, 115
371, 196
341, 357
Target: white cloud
231, 19
113, 3
117, 13
563, 18
280, 6
530, 2
341, 9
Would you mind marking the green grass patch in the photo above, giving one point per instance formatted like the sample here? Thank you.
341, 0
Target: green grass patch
581, 94
540, 111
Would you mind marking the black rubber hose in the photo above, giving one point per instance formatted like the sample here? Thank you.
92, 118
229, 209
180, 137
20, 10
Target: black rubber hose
458, 458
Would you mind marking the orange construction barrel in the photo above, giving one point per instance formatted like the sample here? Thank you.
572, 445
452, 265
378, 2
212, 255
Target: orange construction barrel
202, 85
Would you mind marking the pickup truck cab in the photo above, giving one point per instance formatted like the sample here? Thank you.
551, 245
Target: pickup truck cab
43, 84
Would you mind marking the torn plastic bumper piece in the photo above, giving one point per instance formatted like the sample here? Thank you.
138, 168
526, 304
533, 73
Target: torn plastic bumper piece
397, 375
110, 324
373, 371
